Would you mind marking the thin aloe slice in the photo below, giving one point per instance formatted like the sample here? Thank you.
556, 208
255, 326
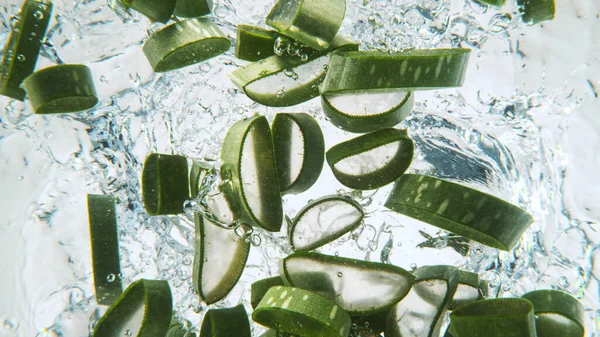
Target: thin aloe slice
312, 22
323, 220
359, 287
372, 160
193, 8
467, 291
143, 310
557, 313
299, 151
416, 69
366, 112
502, 317
23, 47
219, 260
165, 184
301, 312
279, 81
105, 247
254, 43
159, 11
60, 89
536, 11
259, 288
226, 322
421, 312
459, 209
198, 175
249, 170
185, 43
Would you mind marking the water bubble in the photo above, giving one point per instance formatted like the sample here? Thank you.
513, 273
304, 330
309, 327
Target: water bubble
256, 240
128, 333
38, 15
399, 244
15, 23
280, 93
413, 266
19, 178
111, 278
563, 282
21, 58
205, 67
339, 274
243, 230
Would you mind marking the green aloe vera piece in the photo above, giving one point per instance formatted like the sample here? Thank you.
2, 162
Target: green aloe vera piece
254, 43
259, 288
193, 8
159, 11
467, 290
226, 322
536, 11
557, 313
165, 184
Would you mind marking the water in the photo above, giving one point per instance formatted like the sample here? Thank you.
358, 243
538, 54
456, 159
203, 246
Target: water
522, 128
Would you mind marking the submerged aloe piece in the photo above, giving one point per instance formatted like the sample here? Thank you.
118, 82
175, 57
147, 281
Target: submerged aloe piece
497, 3
193, 8
459, 209
259, 288
143, 310
159, 11
359, 287
299, 151
219, 260
226, 322
421, 312
23, 47
254, 43
165, 184
557, 313
369, 325
185, 43
372, 160
502, 317
536, 11
324, 220
467, 290
298, 311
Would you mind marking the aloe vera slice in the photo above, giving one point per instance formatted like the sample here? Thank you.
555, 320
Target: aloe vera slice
279, 81
259, 288
226, 322
497, 3
301, 312
185, 43
60, 89
219, 260
299, 151
249, 169
254, 43
416, 69
421, 312
459, 209
143, 310
467, 291
105, 247
557, 313
159, 11
372, 160
193, 8
198, 174
366, 112
324, 220
23, 47
359, 287
502, 317
165, 184
536, 11
372, 323
312, 22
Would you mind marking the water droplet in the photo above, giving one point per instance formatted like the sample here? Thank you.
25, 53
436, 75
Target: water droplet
38, 15
243, 230
111, 278
413, 266
21, 58
280, 93
205, 67
15, 23
563, 282
339, 274
256, 240
128, 333
19, 178
399, 244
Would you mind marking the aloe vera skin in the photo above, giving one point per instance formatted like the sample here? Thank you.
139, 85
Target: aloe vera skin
226, 322
165, 184
557, 313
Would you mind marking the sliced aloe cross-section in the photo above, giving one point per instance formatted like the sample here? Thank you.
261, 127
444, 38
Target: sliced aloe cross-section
359, 287
299, 151
254, 43
324, 220
459, 209
467, 290
557, 313
259, 288
372, 160
298, 311
143, 310
421, 312
226, 322
366, 112
249, 169
159, 11
219, 260
165, 183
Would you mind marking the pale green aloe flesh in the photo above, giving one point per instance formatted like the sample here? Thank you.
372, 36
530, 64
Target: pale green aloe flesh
143, 310
226, 322
536, 11
298, 311
467, 291
259, 288
359, 287
159, 11
165, 184
219, 260
324, 220
198, 173
558, 313
421, 312
459, 209
193, 8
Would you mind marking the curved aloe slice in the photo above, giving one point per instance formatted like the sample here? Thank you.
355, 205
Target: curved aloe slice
193, 8
312, 22
359, 287
105, 247
159, 11
502, 317
324, 220
219, 260
421, 312
185, 43
417, 69
226, 322
23, 47
285, 81
259, 288
143, 310
249, 168
298, 311
254, 43
558, 313
459, 209
373, 160
536, 11
467, 291
60, 89
367, 112
198, 175
299, 151
165, 185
